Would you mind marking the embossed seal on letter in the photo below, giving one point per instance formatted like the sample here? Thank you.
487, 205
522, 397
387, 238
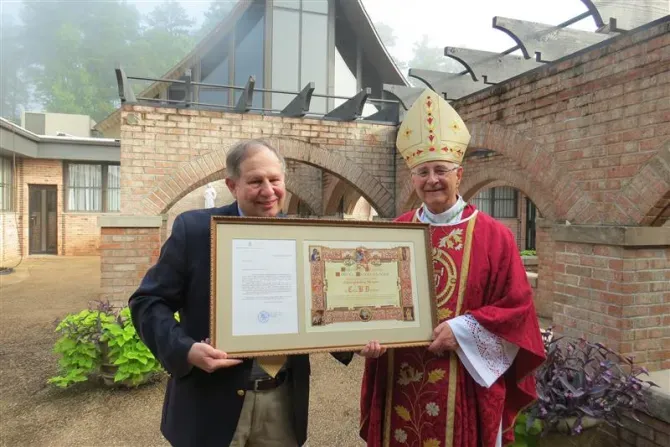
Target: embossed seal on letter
263, 316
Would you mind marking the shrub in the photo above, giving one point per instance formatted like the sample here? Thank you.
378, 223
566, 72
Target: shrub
100, 343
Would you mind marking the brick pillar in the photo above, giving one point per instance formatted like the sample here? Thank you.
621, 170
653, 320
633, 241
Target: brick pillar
612, 285
544, 293
129, 245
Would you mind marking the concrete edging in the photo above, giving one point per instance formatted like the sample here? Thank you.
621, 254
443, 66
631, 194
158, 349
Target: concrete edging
613, 235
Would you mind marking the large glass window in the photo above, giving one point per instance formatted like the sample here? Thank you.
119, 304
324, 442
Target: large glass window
219, 75
314, 56
500, 202
249, 50
285, 55
92, 187
6, 184
300, 49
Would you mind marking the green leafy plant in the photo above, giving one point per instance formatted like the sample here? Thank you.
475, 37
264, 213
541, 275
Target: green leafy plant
528, 253
526, 431
101, 343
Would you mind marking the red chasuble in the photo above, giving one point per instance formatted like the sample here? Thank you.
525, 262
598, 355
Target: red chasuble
411, 397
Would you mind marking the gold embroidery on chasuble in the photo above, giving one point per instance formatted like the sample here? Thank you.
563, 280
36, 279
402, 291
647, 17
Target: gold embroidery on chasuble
421, 389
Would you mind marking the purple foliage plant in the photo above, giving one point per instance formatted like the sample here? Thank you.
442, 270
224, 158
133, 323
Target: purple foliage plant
584, 382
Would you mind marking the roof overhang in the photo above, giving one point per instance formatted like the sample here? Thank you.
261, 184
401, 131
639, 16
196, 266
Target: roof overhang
17, 141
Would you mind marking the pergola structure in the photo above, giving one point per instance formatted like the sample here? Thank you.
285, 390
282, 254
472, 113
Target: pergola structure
538, 43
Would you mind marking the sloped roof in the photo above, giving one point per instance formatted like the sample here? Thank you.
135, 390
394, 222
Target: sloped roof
355, 13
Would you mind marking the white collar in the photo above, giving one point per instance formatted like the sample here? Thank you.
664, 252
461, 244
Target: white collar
450, 216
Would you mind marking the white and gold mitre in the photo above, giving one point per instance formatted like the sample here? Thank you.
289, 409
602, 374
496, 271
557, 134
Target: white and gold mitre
432, 131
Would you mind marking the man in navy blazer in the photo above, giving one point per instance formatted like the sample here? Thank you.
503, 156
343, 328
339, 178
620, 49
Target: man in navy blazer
210, 399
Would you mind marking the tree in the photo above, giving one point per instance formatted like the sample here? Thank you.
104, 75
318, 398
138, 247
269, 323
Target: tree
386, 34
218, 10
389, 39
170, 17
165, 41
429, 57
71, 49
13, 88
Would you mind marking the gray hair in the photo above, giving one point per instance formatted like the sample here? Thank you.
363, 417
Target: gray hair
242, 150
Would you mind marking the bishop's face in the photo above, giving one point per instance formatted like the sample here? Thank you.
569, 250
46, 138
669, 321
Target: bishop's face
436, 183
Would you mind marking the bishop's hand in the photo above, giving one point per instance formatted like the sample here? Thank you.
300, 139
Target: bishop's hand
443, 339
372, 350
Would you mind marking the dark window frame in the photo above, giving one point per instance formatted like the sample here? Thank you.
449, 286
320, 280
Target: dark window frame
7, 185
102, 190
494, 199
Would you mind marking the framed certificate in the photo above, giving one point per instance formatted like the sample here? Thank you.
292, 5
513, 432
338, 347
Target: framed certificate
288, 286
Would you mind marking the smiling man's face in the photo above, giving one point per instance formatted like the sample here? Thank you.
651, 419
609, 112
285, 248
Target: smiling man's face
436, 183
260, 189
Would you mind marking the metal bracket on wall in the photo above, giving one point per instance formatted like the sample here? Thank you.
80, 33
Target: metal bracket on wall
246, 98
299, 106
126, 93
352, 108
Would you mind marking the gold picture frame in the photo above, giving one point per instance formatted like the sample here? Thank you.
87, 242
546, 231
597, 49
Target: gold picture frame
298, 286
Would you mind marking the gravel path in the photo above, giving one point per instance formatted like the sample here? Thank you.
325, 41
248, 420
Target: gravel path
44, 289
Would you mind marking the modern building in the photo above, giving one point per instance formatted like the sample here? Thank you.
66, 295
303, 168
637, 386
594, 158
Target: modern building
55, 180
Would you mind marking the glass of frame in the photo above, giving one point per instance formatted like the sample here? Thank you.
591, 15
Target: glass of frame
289, 286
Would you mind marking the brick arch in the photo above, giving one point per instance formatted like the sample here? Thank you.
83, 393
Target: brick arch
293, 203
351, 198
191, 175
646, 198
489, 177
304, 193
333, 194
407, 198
537, 163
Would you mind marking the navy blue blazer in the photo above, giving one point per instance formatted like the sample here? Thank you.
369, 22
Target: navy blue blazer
200, 409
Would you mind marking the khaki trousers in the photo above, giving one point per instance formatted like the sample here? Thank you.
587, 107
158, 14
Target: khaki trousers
265, 420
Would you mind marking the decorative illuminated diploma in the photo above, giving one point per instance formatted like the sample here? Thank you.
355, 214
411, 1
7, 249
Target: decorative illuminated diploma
360, 284
265, 296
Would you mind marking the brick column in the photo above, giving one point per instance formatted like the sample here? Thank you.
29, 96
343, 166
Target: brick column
612, 285
129, 245
544, 293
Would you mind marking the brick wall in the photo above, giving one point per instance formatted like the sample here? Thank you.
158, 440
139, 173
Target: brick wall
77, 233
10, 253
615, 295
125, 256
166, 152
81, 234
652, 429
544, 293
594, 121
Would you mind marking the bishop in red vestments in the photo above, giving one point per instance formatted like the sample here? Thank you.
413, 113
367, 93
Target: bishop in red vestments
467, 387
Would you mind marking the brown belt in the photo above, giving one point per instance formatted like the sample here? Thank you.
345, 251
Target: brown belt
267, 383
